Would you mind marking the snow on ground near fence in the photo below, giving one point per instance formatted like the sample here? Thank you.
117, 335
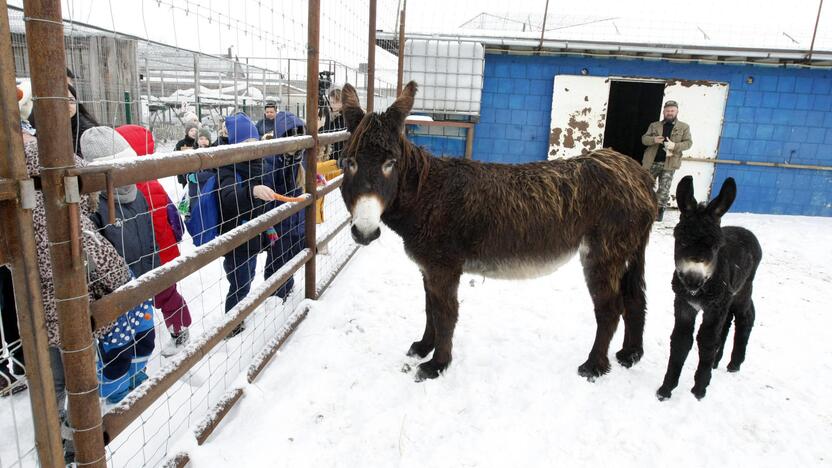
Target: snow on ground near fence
336, 395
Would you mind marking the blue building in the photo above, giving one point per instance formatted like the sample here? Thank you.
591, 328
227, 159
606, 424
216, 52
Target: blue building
763, 119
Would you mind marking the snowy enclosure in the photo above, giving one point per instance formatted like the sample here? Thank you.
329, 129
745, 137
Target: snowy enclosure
337, 389
512, 397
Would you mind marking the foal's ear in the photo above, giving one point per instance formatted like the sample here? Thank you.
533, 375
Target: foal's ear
399, 110
351, 107
684, 195
720, 205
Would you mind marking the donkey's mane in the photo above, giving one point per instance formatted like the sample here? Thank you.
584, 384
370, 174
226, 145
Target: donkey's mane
415, 159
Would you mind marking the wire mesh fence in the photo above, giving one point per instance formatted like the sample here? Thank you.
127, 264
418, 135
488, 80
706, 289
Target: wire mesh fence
133, 98
19, 448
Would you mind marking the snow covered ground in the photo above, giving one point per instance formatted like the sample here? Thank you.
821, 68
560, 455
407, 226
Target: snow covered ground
336, 396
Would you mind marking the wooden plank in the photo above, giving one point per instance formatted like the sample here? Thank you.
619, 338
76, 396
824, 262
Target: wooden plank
265, 356
440, 123
180, 460
207, 426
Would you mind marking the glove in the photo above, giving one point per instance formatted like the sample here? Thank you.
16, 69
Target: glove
271, 233
669, 145
184, 206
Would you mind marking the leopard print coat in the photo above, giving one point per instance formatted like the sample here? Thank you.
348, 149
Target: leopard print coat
106, 270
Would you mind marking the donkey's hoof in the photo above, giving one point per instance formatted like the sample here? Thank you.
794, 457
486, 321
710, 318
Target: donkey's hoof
429, 370
699, 393
629, 357
733, 367
418, 349
663, 394
592, 370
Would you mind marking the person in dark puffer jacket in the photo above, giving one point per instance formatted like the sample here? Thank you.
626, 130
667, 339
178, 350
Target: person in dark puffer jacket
243, 196
280, 173
132, 236
187, 143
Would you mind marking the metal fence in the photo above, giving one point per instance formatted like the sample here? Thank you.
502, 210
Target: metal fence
249, 275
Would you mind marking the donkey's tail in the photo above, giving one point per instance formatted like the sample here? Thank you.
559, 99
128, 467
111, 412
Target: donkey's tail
632, 283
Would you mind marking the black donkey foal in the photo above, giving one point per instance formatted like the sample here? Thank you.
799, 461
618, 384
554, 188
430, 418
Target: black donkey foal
715, 269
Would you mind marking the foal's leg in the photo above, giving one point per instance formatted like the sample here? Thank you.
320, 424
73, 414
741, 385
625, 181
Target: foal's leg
745, 321
723, 336
681, 340
424, 346
603, 280
707, 339
442, 285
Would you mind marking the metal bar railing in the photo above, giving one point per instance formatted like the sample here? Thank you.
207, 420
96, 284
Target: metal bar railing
44, 25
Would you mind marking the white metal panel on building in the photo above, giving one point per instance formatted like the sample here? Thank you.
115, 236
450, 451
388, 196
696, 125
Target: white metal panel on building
579, 112
702, 106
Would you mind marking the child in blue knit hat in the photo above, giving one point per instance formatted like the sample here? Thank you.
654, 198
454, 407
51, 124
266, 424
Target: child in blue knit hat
243, 196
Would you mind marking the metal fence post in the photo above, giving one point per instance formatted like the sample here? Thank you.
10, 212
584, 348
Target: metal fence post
20, 250
400, 71
44, 26
196, 87
371, 58
312, 153
128, 108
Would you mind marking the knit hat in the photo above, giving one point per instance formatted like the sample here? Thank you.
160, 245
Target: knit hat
104, 144
204, 132
286, 123
189, 126
240, 128
138, 137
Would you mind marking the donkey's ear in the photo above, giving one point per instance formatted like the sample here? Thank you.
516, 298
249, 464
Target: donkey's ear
684, 195
351, 107
720, 205
399, 110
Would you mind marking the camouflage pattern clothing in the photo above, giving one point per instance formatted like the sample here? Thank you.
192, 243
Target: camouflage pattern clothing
665, 177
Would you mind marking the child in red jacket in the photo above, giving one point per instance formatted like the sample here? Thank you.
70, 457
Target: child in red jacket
167, 227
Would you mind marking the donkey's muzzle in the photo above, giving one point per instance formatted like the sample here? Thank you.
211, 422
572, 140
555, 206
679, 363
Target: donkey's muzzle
364, 239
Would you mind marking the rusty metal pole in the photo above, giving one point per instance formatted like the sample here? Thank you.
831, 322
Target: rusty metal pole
814, 33
20, 249
312, 127
543, 28
400, 78
45, 42
371, 58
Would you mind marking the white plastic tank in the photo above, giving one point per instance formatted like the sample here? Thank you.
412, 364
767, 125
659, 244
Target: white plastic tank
449, 74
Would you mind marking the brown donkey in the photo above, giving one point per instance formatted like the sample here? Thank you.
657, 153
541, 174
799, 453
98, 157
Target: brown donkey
501, 221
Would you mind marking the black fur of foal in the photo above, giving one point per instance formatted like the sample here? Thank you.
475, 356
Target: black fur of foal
729, 257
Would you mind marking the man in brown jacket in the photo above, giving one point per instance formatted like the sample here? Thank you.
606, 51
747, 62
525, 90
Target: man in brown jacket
665, 140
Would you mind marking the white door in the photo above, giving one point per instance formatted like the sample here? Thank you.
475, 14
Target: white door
579, 113
702, 106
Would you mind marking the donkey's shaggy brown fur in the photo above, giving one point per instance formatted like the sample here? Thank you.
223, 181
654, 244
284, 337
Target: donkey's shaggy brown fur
505, 221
